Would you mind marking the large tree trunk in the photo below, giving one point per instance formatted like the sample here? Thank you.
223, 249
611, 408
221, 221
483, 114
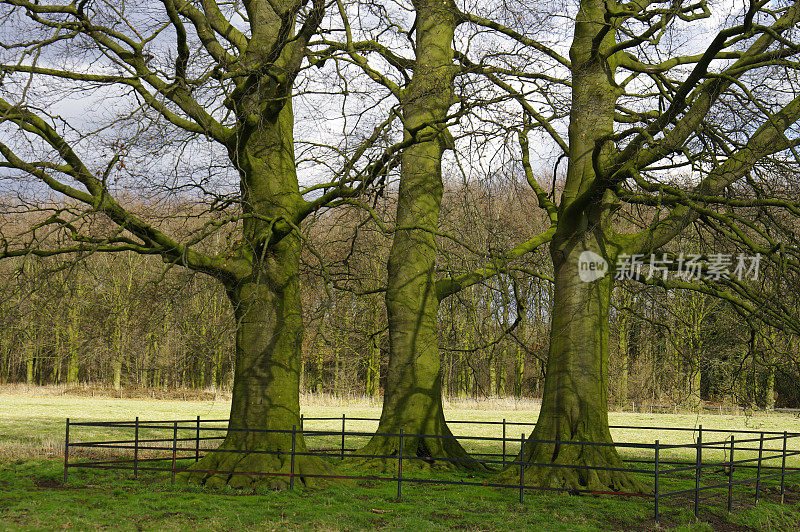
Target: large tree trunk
575, 399
269, 321
266, 382
413, 396
574, 402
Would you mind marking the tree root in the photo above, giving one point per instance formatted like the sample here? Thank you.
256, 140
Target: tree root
573, 470
418, 453
223, 468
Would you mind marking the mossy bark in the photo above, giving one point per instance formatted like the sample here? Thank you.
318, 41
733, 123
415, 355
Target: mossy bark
266, 385
574, 404
575, 398
269, 333
265, 294
413, 394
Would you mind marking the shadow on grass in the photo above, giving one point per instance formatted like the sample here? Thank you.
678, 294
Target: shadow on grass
33, 496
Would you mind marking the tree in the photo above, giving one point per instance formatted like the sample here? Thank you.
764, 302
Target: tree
415, 287
682, 139
413, 394
218, 82
655, 142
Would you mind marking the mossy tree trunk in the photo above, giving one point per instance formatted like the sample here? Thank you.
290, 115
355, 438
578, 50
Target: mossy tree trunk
269, 326
413, 395
266, 380
575, 397
262, 277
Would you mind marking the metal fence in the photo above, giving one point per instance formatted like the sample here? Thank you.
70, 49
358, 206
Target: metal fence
764, 461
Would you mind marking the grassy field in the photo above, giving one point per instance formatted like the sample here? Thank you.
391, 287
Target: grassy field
32, 495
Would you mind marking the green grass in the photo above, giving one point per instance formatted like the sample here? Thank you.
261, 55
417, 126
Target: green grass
107, 500
32, 496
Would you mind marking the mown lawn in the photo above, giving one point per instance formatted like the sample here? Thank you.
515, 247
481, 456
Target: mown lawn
33, 497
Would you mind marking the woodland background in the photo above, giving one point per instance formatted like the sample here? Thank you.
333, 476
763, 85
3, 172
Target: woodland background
125, 320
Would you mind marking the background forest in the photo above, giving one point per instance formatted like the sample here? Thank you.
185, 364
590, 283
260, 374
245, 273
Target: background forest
126, 320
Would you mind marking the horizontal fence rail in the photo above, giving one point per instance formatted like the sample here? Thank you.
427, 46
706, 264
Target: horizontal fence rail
769, 464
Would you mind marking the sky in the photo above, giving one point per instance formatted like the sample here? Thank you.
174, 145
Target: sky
328, 125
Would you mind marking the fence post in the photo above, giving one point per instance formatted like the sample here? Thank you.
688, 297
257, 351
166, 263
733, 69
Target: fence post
197, 442
730, 478
291, 460
504, 442
301, 422
655, 499
698, 464
400, 467
174, 449
783, 468
343, 418
66, 450
521, 467
136, 447
758, 469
